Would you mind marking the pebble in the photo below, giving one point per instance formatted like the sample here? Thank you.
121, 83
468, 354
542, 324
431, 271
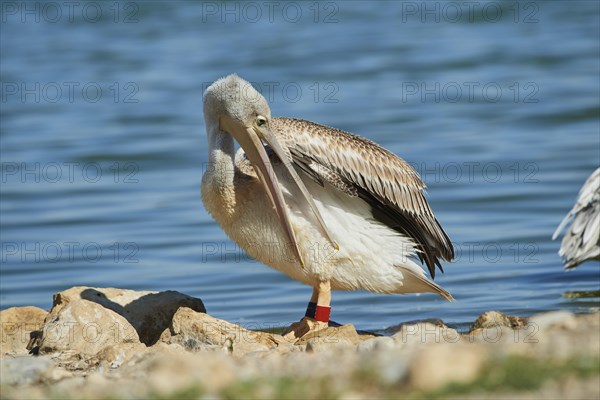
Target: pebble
24, 370
562, 319
376, 344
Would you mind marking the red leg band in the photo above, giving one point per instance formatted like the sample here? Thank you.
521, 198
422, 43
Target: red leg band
320, 313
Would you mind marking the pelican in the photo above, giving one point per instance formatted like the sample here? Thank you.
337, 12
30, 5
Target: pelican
582, 240
328, 208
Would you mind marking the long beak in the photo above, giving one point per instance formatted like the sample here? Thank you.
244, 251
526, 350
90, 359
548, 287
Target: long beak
250, 142
285, 158
255, 151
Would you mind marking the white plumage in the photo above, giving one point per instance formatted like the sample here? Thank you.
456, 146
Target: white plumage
582, 240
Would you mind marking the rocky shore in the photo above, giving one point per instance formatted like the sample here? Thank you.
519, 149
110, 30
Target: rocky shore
101, 343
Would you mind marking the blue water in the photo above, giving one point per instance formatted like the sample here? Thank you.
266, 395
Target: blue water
103, 142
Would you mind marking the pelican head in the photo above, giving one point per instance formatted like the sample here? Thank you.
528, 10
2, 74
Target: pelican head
232, 106
234, 100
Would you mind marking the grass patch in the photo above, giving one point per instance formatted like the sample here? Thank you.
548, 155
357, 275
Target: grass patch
513, 374
519, 373
193, 392
283, 388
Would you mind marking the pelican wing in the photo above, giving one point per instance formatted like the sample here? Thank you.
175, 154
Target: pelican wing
582, 240
359, 167
587, 194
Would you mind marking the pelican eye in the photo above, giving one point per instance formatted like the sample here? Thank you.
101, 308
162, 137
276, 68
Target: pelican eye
260, 120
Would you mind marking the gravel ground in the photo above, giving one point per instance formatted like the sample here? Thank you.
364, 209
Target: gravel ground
101, 343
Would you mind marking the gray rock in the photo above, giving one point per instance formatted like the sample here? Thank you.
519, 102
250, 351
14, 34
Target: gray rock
199, 332
493, 319
388, 366
113, 356
331, 336
18, 325
392, 330
165, 373
317, 345
376, 344
83, 327
554, 319
24, 369
437, 365
85, 321
424, 332
149, 313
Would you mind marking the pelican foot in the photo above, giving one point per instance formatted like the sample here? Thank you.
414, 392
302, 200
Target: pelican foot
303, 327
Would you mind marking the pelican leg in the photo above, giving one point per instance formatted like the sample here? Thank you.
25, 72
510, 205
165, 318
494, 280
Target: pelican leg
315, 295
317, 313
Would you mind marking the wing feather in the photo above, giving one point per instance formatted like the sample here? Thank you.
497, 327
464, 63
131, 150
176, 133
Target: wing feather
360, 167
582, 239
